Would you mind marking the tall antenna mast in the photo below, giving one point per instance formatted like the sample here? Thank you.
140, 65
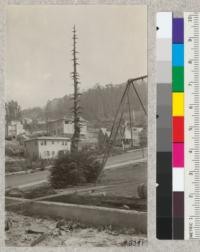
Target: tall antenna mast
76, 101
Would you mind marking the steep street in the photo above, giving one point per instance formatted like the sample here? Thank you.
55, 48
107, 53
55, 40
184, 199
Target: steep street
23, 180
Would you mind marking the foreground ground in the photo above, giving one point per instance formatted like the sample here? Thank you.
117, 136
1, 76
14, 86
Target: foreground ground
115, 182
27, 231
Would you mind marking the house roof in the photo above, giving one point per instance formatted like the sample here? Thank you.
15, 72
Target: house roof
49, 138
66, 118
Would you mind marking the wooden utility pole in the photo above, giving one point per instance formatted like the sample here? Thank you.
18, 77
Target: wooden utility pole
130, 117
76, 101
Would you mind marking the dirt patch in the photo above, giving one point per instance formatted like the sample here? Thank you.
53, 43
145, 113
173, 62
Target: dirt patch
67, 233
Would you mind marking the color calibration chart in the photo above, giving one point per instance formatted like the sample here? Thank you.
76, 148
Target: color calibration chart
178, 126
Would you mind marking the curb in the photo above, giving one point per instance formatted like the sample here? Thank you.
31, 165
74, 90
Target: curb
25, 172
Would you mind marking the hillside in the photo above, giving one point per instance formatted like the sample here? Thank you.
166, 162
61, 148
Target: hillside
98, 104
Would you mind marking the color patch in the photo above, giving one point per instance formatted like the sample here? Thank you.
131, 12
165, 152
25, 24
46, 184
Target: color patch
178, 129
163, 55
178, 228
177, 79
164, 72
164, 94
164, 24
178, 179
178, 55
164, 117
166, 135
178, 204
178, 155
178, 34
178, 104
164, 125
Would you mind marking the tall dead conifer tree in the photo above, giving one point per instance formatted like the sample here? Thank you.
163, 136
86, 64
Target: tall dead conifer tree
76, 98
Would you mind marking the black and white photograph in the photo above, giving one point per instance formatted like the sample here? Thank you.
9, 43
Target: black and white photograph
76, 126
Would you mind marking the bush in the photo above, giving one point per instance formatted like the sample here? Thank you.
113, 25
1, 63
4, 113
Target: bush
74, 169
13, 149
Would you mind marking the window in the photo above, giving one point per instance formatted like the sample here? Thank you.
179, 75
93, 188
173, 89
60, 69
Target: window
48, 154
52, 142
63, 143
45, 142
53, 153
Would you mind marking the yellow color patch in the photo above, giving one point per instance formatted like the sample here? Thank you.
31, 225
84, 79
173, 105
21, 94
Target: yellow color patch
178, 104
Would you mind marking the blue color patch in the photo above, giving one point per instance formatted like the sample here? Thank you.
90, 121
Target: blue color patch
177, 55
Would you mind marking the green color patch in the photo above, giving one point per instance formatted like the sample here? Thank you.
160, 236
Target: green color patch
178, 79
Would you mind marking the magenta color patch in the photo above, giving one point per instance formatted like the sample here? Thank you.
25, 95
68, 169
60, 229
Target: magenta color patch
178, 155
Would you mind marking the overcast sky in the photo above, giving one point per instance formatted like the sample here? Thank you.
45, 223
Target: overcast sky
112, 45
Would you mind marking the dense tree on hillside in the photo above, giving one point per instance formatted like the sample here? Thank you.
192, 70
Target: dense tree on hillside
35, 113
13, 111
98, 104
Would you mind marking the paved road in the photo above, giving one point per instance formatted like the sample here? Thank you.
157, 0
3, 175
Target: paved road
38, 177
23, 179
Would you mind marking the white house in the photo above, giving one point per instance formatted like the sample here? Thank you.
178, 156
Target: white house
135, 136
14, 128
65, 127
46, 147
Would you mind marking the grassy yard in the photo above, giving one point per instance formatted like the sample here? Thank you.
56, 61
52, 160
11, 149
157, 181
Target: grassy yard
124, 181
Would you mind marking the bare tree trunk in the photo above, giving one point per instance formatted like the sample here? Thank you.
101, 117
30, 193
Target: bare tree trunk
76, 101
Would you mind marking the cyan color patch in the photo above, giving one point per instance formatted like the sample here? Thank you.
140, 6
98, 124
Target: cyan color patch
177, 55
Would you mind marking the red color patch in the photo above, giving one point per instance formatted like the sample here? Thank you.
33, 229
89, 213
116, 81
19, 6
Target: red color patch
178, 129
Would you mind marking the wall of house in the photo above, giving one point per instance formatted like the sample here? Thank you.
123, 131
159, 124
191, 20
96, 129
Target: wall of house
135, 135
56, 128
31, 148
84, 130
49, 149
11, 131
65, 127
14, 129
68, 128
20, 128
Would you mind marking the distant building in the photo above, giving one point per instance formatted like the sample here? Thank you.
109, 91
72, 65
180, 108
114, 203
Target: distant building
103, 137
14, 128
135, 141
65, 127
124, 137
46, 147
